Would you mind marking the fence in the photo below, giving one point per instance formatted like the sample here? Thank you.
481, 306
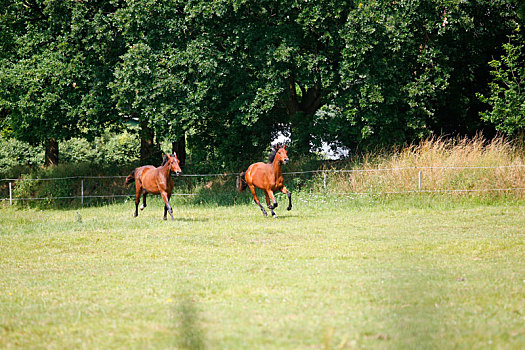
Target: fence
417, 174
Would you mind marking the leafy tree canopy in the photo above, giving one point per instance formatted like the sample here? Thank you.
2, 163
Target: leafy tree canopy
227, 75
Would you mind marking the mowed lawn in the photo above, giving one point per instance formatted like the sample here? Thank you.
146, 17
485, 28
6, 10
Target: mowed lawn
332, 273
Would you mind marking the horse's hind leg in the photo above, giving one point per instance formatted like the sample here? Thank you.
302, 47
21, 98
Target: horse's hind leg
144, 193
252, 189
137, 201
269, 195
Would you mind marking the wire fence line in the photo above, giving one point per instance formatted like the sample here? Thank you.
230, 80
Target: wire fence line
284, 173
324, 173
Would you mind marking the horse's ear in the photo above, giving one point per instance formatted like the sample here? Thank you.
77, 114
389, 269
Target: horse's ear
284, 147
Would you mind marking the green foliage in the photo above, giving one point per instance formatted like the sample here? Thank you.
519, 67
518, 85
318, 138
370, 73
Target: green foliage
507, 89
53, 78
67, 183
110, 149
410, 66
229, 75
15, 154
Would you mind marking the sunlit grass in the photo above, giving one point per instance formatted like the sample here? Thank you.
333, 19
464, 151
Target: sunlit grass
412, 272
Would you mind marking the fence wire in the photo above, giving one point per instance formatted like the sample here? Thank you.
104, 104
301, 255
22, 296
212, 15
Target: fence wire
324, 173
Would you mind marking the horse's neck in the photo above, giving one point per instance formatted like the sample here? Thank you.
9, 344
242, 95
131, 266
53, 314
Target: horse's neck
165, 170
277, 168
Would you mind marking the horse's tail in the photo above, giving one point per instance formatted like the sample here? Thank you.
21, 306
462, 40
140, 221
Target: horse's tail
241, 182
130, 178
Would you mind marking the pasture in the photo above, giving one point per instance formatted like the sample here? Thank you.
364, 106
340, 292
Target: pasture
334, 273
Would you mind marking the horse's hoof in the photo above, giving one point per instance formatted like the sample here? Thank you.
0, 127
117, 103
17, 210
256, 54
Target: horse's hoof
274, 216
264, 214
135, 215
289, 208
164, 218
142, 207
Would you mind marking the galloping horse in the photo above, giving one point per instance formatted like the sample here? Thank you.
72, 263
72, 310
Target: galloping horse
268, 177
149, 179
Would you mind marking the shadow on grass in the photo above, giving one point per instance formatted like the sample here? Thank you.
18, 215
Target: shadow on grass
189, 334
414, 311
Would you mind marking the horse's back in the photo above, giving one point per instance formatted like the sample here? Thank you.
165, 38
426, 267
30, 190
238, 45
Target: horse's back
255, 170
146, 175
141, 172
154, 181
261, 175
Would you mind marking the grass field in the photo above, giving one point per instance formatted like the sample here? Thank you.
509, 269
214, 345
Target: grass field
334, 273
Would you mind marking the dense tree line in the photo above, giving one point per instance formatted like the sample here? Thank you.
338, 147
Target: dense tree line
221, 78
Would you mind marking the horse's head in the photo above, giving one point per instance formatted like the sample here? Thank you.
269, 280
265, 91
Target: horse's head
281, 155
173, 163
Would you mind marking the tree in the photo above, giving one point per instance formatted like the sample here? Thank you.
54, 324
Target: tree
145, 87
412, 68
222, 78
54, 77
507, 90
255, 68
350, 73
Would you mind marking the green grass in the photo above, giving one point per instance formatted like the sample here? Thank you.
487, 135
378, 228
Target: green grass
422, 273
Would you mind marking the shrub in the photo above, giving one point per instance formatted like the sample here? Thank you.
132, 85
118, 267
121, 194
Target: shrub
15, 154
110, 148
17, 157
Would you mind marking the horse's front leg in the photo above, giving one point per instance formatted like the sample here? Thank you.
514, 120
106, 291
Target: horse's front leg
252, 189
289, 194
167, 206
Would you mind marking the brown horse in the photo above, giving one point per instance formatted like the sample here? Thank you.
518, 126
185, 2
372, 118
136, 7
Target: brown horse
149, 179
268, 177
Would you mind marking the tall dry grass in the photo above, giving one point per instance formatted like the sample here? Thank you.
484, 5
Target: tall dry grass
461, 165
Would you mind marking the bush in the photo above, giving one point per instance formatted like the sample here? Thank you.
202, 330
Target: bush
446, 165
110, 148
67, 180
16, 154
17, 157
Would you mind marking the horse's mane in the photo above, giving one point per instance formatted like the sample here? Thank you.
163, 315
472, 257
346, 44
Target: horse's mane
165, 158
275, 148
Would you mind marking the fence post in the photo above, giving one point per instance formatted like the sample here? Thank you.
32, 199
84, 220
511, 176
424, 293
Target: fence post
324, 180
82, 192
419, 181
10, 194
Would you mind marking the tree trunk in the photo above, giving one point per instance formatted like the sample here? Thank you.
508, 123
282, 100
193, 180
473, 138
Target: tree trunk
179, 148
51, 155
149, 151
301, 132
301, 111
